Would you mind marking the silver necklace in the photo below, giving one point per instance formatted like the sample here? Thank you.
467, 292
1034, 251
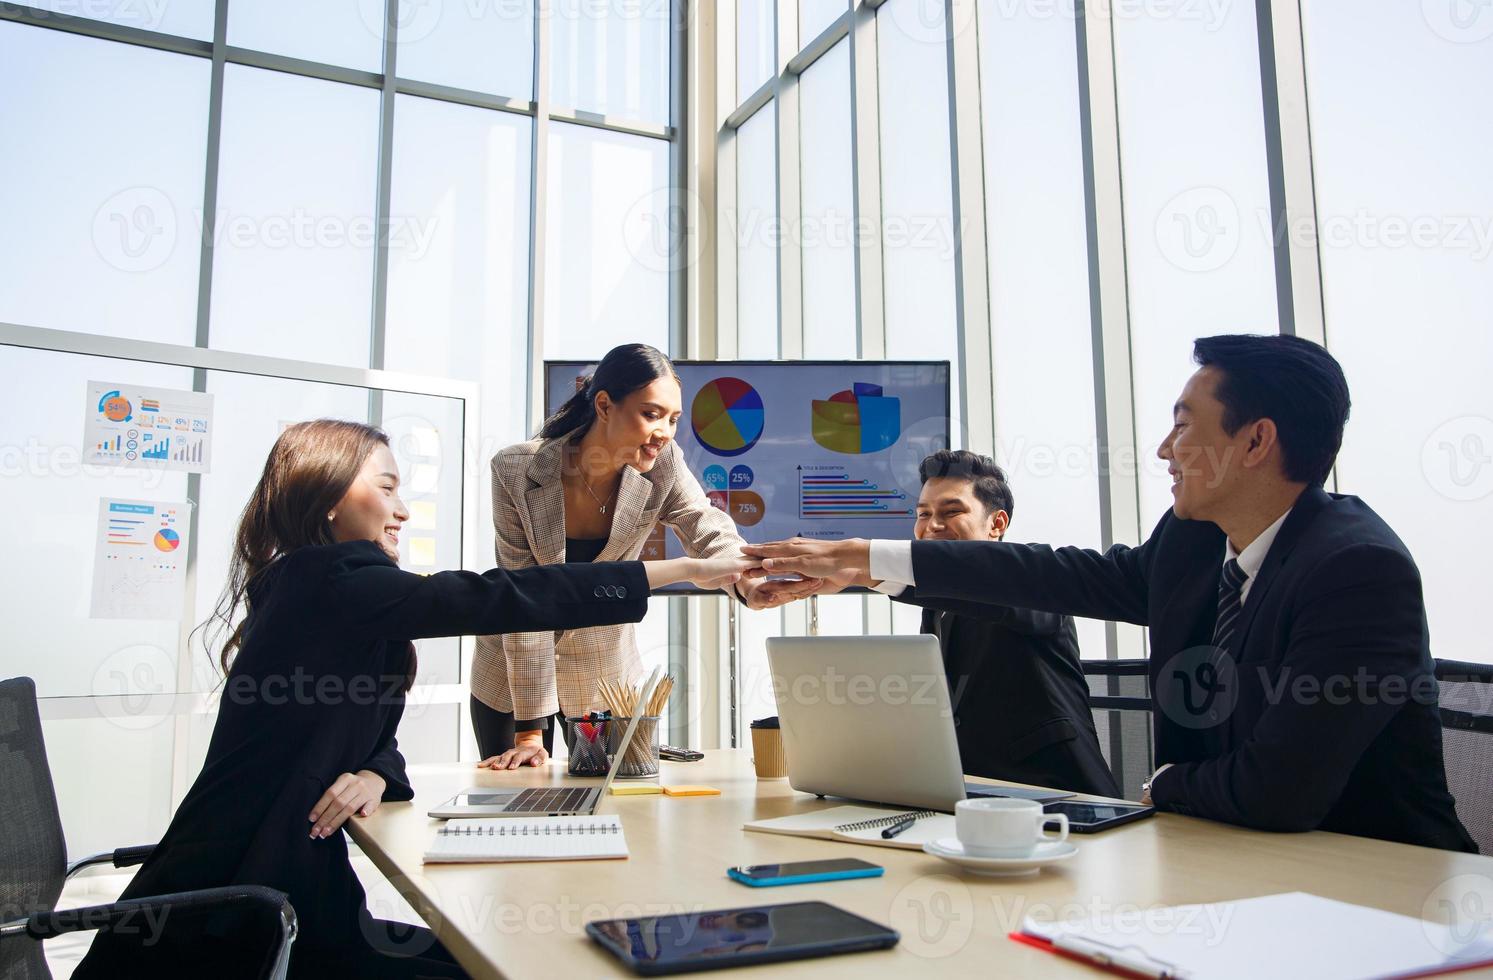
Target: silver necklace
601, 505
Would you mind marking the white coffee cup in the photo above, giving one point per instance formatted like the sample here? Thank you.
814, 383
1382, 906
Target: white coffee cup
999, 827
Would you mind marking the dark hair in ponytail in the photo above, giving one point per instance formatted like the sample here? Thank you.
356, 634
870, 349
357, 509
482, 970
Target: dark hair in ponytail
624, 370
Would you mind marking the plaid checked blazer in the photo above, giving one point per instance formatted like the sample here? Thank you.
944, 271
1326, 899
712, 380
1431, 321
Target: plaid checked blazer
534, 674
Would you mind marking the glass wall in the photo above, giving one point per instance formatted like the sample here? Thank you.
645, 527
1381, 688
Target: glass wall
1405, 235
307, 211
1399, 206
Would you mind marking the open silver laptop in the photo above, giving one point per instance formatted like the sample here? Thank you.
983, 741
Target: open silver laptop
869, 718
544, 801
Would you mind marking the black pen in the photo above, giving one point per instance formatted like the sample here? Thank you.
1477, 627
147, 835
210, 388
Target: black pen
898, 827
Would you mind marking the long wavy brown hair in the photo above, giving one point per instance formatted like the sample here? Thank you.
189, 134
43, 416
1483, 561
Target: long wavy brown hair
308, 472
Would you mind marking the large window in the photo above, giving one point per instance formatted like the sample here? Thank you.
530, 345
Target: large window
1197, 210
102, 193
376, 235
1406, 243
1039, 294
293, 252
1141, 180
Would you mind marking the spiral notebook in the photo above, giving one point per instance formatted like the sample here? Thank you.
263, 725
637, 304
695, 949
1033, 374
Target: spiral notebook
532, 839
860, 825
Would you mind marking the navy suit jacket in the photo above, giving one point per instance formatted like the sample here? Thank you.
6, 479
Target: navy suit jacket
1021, 703
1321, 714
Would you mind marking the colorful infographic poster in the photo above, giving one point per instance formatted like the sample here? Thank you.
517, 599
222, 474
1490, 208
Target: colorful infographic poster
140, 560
814, 448
153, 428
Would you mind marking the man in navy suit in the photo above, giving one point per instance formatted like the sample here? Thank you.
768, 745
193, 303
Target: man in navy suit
1290, 657
1021, 703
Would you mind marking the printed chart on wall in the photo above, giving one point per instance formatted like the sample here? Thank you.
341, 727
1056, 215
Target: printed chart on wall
813, 448
150, 428
140, 560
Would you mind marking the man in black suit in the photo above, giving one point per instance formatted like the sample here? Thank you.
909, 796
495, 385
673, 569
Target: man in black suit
1021, 705
1290, 657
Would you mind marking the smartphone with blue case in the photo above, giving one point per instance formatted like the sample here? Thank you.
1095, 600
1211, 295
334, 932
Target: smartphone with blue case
803, 872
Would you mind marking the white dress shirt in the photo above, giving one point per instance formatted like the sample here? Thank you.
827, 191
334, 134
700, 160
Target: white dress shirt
1253, 556
891, 564
891, 561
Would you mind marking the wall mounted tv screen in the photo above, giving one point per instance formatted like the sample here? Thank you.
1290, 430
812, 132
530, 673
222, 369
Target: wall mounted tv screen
820, 449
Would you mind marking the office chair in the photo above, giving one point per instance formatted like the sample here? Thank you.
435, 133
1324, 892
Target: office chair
33, 855
1466, 701
1120, 697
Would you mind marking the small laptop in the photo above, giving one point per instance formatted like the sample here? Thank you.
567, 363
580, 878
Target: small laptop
869, 718
544, 801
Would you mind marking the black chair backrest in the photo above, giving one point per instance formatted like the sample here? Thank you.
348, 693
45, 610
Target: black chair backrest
1466, 700
1120, 696
33, 854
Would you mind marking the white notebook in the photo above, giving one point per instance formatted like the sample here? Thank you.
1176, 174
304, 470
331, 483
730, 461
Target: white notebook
531, 839
860, 825
1290, 935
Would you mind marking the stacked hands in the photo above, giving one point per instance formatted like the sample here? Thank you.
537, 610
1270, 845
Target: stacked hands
821, 567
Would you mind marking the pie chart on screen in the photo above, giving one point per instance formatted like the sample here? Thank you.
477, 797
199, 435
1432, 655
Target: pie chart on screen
167, 539
727, 416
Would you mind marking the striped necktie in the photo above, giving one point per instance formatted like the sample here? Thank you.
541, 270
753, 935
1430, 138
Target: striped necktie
1229, 585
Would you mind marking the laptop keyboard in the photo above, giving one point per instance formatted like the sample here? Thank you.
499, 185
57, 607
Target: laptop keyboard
555, 800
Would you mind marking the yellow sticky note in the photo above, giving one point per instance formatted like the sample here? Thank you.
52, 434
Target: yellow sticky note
636, 789
422, 514
691, 791
422, 552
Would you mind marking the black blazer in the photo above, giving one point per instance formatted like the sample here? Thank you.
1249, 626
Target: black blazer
1021, 703
315, 691
1322, 714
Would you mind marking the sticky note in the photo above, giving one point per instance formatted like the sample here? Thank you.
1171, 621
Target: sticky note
422, 514
636, 789
691, 791
422, 552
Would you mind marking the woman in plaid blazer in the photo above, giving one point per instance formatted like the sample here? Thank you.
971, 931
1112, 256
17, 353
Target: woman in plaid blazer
603, 472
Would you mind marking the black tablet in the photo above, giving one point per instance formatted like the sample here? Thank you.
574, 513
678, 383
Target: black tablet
1090, 818
693, 941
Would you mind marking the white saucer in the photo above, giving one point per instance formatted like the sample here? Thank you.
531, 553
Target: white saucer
952, 851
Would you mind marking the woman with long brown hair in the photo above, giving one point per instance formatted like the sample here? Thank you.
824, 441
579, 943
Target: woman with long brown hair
601, 474
316, 675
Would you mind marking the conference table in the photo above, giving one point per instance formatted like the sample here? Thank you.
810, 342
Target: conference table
528, 919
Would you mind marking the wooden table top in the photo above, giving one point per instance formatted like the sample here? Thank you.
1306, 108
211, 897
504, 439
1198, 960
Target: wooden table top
528, 919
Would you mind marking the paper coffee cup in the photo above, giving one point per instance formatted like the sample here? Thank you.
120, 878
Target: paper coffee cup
767, 753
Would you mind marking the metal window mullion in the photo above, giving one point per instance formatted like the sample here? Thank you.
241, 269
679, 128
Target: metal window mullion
699, 142
1293, 191
753, 103
463, 96
868, 283
865, 169
382, 197
789, 181
798, 618
181, 740
598, 120
538, 215
971, 261
728, 203
104, 30
1109, 298
821, 45
1288, 147
680, 717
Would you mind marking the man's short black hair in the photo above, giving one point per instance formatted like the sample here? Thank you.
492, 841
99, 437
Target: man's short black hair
1289, 380
991, 488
